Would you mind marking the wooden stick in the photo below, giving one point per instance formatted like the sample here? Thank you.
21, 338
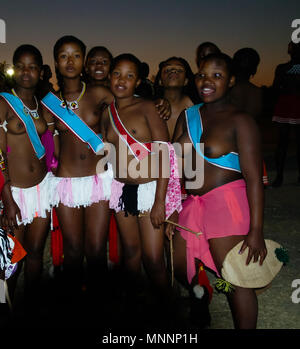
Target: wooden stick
176, 224
184, 228
172, 264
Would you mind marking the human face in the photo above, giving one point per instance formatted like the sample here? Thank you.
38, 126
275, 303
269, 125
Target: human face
213, 80
173, 74
98, 66
27, 71
124, 79
69, 60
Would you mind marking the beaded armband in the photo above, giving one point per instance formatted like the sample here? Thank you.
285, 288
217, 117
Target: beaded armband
2, 162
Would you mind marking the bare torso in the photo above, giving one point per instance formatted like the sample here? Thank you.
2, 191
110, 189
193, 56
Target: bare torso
176, 109
76, 159
127, 168
219, 139
25, 169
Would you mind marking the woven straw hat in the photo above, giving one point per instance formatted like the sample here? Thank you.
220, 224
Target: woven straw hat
253, 275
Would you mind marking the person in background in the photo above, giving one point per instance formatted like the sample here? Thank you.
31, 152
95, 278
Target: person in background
174, 82
244, 94
145, 89
286, 86
97, 66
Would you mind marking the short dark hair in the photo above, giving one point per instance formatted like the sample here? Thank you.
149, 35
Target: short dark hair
221, 57
189, 89
245, 61
68, 39
128, 57
204, 45
95, 49
28, 49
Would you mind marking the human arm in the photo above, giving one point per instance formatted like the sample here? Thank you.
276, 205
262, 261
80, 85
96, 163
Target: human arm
102, 95
159, 133
249, 148
11, 209
50, 141
163, 108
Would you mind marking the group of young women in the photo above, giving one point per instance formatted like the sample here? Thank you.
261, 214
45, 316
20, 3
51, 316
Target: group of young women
96, 110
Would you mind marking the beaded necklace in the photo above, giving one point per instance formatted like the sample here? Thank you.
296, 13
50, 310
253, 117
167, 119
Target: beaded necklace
27, 111
73, 105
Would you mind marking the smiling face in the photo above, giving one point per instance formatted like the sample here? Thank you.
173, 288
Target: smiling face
98, 65
124, 79
27, 71
69, 61
173, 74
213, 80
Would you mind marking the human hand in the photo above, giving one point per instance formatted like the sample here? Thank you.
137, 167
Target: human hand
10, 209
157, 214
169, 230
163, 108
257, 247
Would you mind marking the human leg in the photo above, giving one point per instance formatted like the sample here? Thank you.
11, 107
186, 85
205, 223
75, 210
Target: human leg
242, 301
280, 155
71, 223
153, 254
96, 223
34, 243
131, 244
198, 295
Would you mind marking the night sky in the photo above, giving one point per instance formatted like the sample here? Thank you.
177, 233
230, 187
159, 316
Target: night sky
155, 30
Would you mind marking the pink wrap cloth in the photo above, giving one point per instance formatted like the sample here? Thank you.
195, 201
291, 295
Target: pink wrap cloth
223, 211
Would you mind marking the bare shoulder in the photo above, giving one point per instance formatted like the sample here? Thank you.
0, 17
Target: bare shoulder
101, 94
3, 109
46, 114
188, 102
241, 120
147, 107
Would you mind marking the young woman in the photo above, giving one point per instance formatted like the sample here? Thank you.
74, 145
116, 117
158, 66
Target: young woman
131, 125
228, 207
26, 177
80, 193
97, 66
174, 82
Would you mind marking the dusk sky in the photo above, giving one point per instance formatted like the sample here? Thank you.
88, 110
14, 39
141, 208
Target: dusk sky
155, 30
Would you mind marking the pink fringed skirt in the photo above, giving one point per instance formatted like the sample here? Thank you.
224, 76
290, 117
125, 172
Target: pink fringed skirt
82, 191
34, 201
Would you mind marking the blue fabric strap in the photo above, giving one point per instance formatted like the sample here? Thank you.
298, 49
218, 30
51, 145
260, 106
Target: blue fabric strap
17, 106
229, 161
73, 122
